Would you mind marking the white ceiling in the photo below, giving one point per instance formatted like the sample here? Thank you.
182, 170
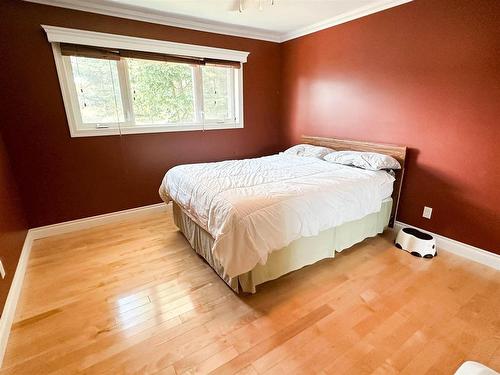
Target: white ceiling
284, 16
284, 20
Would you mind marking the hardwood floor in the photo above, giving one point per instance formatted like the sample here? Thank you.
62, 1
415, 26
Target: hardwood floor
134, 298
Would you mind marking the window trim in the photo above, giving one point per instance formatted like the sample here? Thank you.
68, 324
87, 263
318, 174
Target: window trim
57, 35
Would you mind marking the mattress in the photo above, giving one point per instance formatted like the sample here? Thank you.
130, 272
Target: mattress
253, 207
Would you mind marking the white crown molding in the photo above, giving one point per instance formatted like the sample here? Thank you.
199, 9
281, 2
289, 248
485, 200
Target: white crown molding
475, 254
110, 8
92, 38
343, 18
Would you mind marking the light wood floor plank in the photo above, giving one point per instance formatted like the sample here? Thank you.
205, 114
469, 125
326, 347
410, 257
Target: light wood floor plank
133, 297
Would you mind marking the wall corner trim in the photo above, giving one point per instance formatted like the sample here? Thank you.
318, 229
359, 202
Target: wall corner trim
470, 252
9, 310
127, 11
343, 18
138, 13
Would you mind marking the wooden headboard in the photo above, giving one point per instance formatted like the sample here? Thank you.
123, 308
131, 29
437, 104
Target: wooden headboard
397, 152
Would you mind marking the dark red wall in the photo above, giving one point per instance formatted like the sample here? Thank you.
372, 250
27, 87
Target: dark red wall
63, 178
13, 224
425, 74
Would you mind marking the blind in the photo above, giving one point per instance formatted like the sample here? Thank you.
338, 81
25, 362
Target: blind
68, 49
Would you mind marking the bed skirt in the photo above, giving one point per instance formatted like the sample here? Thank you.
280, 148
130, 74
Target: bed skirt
300, 253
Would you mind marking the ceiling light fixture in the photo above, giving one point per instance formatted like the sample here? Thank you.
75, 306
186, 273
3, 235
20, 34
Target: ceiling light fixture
261, 4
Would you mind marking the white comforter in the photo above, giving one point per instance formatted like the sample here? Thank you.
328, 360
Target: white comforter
255, 206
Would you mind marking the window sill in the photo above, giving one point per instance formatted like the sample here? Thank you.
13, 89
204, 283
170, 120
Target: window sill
153, 129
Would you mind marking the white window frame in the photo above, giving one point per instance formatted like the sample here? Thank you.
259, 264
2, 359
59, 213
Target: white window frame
58, 35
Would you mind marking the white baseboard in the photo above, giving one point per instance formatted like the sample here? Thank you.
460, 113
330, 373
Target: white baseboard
459, 248
9, 310
444, 243
93, 221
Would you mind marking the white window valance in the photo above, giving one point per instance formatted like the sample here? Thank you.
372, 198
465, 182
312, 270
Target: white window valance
92, 38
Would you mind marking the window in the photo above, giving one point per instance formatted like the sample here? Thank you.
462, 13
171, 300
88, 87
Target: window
218, 93
96, 86
133, 95
120, 91
162, 92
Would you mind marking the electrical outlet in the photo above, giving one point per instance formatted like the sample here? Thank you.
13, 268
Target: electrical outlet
427, 212
2, 270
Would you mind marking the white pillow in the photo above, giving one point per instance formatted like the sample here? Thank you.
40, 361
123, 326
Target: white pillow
366, 160
308, 151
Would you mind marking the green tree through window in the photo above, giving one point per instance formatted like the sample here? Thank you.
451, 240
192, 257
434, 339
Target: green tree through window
161, 92
98, 90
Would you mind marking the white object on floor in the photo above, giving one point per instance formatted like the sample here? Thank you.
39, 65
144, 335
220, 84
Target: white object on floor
474, 368
482, 256
417, 243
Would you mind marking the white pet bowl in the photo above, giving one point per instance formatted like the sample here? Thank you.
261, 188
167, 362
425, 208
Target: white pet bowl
416, 242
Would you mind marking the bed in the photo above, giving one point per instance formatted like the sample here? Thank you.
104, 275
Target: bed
255, 220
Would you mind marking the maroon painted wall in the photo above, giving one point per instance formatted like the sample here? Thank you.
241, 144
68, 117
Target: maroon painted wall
13, 224
63, 178
424, 74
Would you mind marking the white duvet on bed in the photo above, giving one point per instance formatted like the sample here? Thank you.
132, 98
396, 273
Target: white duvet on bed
255, 206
